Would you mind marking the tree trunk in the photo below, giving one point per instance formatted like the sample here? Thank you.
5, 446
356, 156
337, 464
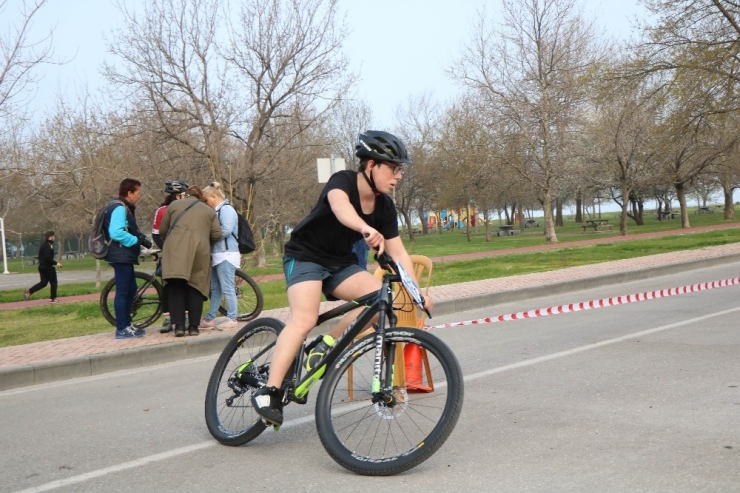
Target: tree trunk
259, 260
579, 206
623, 216
681, 196
424, 226
729, 206
487, 220
550, 235
558, 213
407, 218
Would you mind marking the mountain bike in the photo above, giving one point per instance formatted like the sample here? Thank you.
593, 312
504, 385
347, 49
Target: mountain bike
372, 417
147, 306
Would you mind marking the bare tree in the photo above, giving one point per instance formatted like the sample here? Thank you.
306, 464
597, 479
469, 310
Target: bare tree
623, 131
346, 121
237, 88
418, 122
528, 72
20, 55
692, 36
689, 143
171, 64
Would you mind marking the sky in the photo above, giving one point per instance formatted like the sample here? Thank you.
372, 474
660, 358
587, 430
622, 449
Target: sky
399, 48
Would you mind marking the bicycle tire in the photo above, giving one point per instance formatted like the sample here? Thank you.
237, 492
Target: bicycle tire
249, 298
228, 409
377, 440
147, 306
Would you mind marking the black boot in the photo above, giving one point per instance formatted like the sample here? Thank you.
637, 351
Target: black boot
179, 330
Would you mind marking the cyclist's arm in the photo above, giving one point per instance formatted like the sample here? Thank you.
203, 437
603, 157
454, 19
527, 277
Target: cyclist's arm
347, 215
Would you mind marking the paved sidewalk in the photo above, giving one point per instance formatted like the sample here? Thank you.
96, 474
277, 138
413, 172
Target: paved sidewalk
50, 361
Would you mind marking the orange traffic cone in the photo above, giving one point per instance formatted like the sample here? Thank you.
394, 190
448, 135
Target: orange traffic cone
412, 353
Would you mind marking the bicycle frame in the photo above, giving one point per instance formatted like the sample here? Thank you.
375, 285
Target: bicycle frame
382, 304
379, 302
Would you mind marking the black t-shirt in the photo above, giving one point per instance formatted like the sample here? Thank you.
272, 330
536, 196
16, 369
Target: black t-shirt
322, 239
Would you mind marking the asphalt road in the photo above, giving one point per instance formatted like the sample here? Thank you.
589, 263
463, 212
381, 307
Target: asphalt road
641, 397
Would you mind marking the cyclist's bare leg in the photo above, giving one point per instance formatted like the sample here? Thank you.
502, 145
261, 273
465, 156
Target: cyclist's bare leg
353, 287
304, 300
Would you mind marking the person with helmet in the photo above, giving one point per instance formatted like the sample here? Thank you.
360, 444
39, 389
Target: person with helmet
319, 259
175, 189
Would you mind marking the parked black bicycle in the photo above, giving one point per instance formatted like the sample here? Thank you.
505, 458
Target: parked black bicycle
147, 306
388, 400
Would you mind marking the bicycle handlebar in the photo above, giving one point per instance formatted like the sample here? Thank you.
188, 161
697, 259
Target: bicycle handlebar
151, 252
387, 263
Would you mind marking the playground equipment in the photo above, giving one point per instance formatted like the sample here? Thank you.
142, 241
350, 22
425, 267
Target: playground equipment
451, 218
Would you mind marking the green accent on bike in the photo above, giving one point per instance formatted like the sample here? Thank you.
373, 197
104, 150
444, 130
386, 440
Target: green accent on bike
376, 385
243, 367
302, 390
276, 427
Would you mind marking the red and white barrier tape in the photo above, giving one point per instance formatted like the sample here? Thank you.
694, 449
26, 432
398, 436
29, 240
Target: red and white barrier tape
588, 305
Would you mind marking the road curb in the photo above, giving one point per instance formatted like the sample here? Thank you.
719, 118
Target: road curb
126, 359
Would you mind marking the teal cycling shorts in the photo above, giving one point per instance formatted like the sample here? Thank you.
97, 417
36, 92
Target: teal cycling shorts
298, 271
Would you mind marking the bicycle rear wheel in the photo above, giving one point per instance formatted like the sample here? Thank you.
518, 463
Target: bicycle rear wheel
243, 366
147, 306
411, 421
249, 299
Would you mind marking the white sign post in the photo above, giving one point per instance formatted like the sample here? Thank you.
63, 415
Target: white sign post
327, 167
5, 251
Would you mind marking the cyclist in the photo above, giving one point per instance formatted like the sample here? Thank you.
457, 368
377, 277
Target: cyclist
319, 258
175, 189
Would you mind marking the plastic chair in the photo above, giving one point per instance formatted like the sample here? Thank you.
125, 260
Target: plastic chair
409, 315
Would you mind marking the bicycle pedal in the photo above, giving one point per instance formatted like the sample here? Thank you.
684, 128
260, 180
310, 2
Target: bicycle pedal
270, 423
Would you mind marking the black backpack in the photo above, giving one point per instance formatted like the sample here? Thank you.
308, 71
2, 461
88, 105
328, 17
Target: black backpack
244, 236
97, 240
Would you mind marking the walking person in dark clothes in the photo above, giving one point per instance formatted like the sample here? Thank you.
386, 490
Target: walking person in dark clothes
47, 269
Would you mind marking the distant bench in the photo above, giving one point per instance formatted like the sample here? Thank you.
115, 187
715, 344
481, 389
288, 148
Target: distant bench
597, 225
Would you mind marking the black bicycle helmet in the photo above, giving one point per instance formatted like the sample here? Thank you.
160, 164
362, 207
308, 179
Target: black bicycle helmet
381, 146
174, 187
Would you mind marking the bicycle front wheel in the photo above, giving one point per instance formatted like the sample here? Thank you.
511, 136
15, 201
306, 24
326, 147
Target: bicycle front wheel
147, 305
403, 425
242, 368
249, 299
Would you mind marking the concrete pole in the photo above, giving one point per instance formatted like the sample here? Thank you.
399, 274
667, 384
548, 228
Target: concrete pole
5, 252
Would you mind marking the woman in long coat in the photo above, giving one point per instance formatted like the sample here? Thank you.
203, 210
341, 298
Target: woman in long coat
186, 259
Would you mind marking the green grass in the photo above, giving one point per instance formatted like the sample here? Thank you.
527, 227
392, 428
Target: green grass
76, 319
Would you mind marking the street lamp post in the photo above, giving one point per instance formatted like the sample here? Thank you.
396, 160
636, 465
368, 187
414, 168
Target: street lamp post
5, 251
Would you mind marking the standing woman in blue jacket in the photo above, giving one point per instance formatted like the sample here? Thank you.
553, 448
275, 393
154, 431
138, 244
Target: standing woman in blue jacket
123, 254
225, 258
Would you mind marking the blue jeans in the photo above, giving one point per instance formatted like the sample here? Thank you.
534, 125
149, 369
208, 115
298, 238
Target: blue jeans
222, 286
125, 293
